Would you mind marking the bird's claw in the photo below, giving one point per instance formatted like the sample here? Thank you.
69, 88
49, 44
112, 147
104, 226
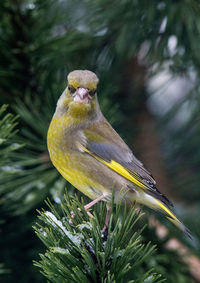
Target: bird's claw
73, 214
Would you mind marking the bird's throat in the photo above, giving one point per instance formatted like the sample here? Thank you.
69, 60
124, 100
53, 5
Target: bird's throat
78, 110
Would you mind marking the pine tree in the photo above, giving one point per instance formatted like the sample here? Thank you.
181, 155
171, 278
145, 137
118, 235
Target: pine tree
81, 253
7, 131
126, 43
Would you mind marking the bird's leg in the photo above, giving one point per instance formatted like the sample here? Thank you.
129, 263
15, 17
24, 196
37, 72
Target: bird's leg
87, 207
90, 204
107, 218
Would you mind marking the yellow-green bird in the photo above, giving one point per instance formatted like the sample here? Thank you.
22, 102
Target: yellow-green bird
88, 152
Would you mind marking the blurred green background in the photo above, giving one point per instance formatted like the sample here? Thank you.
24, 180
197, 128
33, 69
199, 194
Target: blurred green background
147, 57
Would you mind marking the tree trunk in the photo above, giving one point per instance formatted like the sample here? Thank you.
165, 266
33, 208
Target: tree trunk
146, 143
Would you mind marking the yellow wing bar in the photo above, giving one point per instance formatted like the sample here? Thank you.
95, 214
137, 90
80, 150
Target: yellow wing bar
115, 166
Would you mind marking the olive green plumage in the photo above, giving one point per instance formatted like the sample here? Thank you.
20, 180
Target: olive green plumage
88, 152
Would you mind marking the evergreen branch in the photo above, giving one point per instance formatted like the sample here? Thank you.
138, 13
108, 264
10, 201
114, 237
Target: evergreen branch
79, 253
8, 124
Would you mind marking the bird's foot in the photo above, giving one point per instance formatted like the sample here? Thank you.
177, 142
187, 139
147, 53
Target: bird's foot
73, 215
87, 207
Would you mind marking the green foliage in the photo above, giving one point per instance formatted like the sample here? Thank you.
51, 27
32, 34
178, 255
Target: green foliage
41, 41
80, 253
24, 189
148, 25
42, 54
12, 230
7, 131
31, 39
8, 146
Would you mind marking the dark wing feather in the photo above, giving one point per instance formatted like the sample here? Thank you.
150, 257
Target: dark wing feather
103, 141
110, 152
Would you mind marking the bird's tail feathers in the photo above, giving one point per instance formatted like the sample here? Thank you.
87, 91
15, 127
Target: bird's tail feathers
156, 204
172, 217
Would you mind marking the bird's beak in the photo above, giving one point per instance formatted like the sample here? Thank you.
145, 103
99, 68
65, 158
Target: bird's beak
81, 95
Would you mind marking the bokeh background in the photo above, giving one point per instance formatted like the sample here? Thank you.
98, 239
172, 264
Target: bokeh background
147, 56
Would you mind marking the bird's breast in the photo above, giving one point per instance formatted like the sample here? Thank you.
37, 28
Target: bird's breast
62, 136
66, 157
83, 171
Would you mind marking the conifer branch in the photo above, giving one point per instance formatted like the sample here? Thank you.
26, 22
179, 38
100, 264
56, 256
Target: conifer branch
79, 253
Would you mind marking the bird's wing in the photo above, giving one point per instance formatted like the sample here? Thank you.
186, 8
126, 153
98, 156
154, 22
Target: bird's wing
104, 144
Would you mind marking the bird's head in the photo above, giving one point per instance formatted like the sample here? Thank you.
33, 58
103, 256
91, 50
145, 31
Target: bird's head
79, 98
82, 86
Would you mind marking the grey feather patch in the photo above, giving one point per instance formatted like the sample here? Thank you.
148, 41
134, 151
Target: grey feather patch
110, 152
126, 158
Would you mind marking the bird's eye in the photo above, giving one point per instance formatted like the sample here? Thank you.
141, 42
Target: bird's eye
71, 89
92, 92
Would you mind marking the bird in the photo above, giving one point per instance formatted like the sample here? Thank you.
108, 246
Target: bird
90, 154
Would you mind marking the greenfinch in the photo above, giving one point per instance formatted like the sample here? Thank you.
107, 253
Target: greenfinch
88, 152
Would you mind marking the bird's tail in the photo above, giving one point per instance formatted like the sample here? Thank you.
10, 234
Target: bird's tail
158, 205
172, 217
